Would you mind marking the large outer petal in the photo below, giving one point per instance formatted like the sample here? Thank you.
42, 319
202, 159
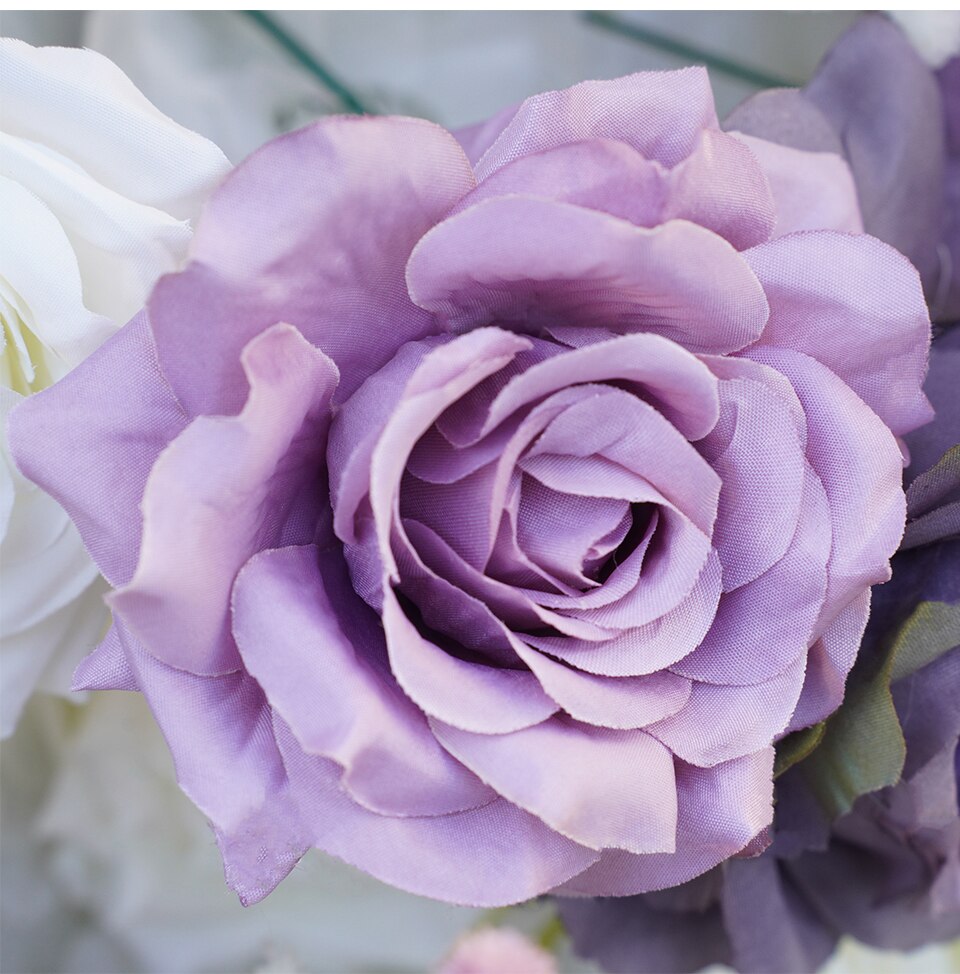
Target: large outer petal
858, 461
537, 262
220, 733
314, 229
490, 856
660, 114
225, 488
92, 439
719, 723
353, 710
861, 314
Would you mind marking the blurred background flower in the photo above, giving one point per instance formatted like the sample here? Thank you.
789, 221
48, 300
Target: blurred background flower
106, 865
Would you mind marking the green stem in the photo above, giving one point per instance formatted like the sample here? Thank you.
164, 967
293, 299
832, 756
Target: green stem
306, 60
686, 52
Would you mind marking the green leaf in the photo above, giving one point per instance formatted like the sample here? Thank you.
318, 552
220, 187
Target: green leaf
797, 746
931, 488
932, 630
861, 748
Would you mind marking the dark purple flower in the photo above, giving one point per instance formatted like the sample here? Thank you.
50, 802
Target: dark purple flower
499, 509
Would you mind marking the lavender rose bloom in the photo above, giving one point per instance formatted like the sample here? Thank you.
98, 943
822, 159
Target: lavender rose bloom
502, 503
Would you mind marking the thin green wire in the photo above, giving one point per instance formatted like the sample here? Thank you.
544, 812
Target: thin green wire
306, 60
687, 52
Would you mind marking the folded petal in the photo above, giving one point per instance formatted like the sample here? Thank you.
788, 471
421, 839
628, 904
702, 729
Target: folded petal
472, 696
720, 810
92, 439
226, 487
829, 662
649, 648
761, 470
719, 185
230, 768
503, 855
771, 619
107, 667
602, 788
530, 262
811, 190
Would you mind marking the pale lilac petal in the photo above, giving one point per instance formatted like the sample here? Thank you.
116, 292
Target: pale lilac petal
829, 662
659, 113
602, 788
477, 138
600, 174
91, 441
445, 374
619, 427
230, 769
720, 723
534, 262
665, 373
675, 561
719, 185
359, 423
447, 614
107, 667
622, 703
858, 461
472, 696
757, 452
355, 713
721, 809
811, 190
768, 641
328, 258
463, 513
224, 488
509, 603
646, 649
558, 530
862, 315
490, 856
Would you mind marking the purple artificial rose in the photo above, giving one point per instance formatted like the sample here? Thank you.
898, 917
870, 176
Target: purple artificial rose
500, 507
